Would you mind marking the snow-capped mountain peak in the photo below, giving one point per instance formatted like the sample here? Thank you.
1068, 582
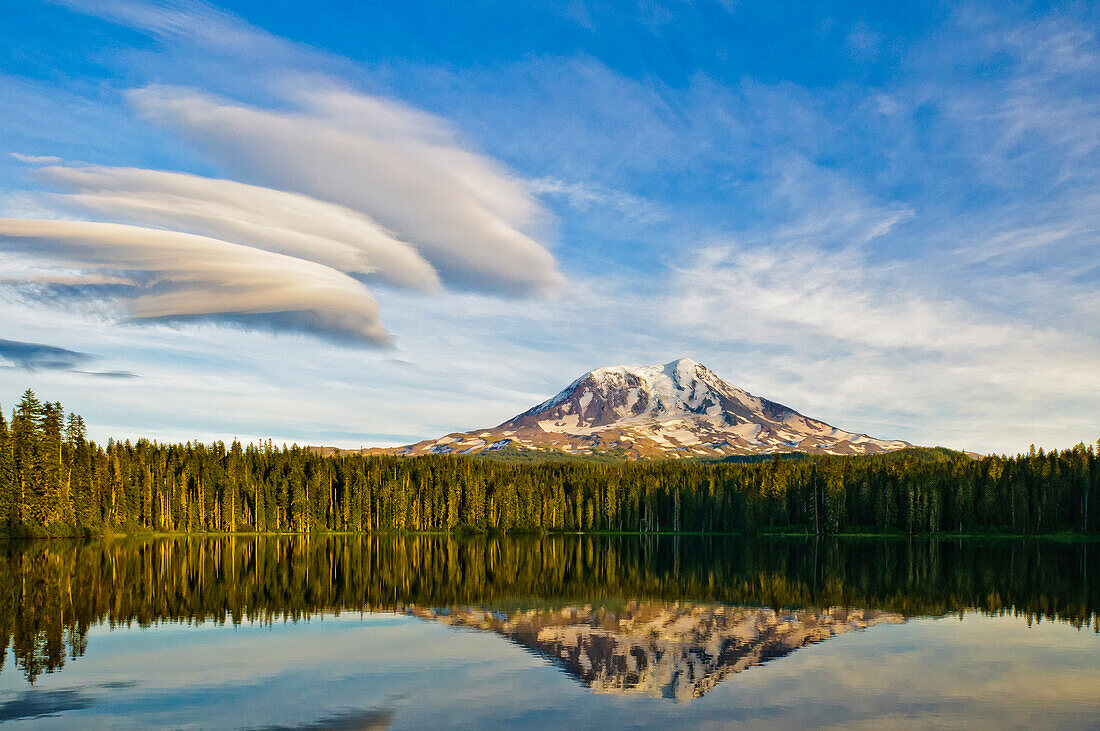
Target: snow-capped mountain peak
678, 409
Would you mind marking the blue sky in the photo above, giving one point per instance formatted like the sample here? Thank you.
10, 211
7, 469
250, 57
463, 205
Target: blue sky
381, 222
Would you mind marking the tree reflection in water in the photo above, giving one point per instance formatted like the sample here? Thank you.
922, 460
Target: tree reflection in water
670, 615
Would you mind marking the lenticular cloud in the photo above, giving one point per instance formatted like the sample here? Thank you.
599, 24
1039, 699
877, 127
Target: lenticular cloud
461, 211
168, 275
344, 191
285, 223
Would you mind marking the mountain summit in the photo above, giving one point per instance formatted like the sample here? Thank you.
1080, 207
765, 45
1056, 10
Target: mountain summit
679, 409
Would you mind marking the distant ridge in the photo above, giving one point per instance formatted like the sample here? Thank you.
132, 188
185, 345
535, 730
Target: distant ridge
676, 410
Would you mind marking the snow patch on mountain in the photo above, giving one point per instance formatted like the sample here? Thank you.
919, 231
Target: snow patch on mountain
678, 409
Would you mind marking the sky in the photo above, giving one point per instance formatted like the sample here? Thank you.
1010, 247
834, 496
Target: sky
359, 224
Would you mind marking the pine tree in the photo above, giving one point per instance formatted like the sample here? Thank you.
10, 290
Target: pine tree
26, 436
52, 508
7, 472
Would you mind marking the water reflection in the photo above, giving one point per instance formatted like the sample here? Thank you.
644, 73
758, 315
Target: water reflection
53, 592
676, 650
35, 704
40, 703
431, 631
359, 720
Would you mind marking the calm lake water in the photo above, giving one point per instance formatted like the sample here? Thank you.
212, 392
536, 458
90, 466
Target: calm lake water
566, 631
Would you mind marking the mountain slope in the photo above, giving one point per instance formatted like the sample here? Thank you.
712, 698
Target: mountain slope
680, 410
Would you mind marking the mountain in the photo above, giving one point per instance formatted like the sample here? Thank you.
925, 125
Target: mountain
677, 651
679, 410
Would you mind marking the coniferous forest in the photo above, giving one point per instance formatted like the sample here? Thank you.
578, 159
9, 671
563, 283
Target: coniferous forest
54, 481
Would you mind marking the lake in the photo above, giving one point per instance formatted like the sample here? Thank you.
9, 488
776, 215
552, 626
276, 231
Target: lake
360, 631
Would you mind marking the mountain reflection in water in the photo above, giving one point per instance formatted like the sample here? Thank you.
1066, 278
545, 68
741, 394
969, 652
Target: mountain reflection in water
677, 650
667, 615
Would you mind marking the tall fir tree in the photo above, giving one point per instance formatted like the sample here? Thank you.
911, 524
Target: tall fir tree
7, 472
26, 435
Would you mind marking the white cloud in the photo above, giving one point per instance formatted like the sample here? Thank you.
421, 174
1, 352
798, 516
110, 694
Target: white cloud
847, 336
272, 220
828, 295
461, 211
193, 19
36, 159
588, 196
179, 276
817, 207
363, 184
956, 304
1029, 125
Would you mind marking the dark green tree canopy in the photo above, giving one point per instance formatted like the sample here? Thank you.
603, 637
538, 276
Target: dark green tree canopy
53, 481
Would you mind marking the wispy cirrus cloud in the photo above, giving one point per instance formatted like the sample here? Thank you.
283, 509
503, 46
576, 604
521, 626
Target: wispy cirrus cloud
838, 334
36, 159
830, 317
840, 299
587, 197
192, 19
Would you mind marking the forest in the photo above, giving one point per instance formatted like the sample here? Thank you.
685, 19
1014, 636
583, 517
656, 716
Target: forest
55, 482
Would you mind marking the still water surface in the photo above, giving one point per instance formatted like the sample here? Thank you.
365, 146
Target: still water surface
573, 631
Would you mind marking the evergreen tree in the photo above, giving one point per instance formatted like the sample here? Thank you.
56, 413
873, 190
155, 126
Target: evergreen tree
27, 437
7, 472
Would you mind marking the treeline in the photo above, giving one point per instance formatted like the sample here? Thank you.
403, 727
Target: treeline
53, 593
54, 481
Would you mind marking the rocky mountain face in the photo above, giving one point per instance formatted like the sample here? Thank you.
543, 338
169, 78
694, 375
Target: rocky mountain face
680, 410
678, 651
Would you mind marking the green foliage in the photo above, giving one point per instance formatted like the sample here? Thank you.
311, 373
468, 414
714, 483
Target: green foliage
53, 481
